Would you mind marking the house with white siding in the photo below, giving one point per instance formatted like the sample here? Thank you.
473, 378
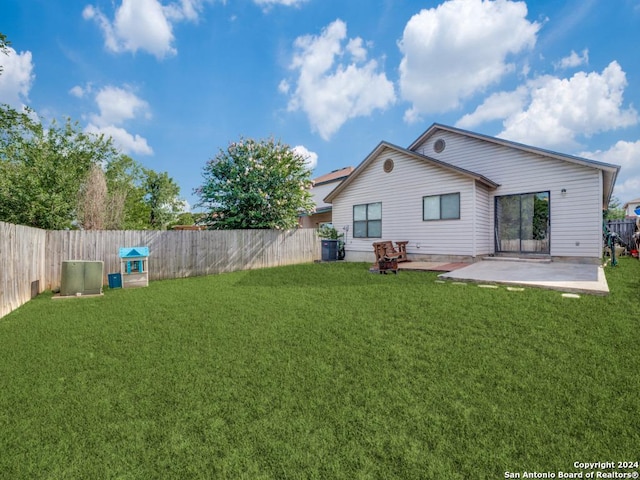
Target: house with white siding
322, 185
630, 208
455, 195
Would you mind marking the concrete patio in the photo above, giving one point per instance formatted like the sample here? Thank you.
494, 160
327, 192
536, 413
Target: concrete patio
565, 277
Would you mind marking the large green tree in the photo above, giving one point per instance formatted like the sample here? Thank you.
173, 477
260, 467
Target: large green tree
55, 177
614, 209
125, 179
161, 195
146, 199
42, 169
256, 184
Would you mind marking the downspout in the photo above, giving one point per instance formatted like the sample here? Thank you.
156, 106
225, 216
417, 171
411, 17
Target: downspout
474, 247
602, 211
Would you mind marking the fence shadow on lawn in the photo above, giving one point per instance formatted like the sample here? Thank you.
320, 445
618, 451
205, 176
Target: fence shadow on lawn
329, 274
30, 257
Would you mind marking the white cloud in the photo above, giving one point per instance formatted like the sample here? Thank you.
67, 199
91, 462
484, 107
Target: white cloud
559, 110
311, 158
497, 106
125, 141
16, 78
458, 49
357, 50
116, 106
77, 91
627, 155
144, 25
185, 10
287, 3
574, 60
284, 87
334, 84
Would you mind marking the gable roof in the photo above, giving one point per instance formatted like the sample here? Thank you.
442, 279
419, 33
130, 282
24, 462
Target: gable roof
610, 171
383, 145
333, 176
636, 200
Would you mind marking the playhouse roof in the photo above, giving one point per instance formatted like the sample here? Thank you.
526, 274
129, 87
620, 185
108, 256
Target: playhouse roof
134, 252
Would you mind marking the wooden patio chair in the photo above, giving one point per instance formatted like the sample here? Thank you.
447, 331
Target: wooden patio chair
387, 257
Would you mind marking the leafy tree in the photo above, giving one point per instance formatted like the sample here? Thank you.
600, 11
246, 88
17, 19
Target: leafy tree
256, 184
184, 218
4, 46
147, 199
53, 178
161, 197
614, 210
42, 169
124, 178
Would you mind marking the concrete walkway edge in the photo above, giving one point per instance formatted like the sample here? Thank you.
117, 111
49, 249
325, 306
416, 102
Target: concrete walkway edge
564, 277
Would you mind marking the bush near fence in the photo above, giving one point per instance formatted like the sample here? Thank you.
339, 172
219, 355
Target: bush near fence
31, 259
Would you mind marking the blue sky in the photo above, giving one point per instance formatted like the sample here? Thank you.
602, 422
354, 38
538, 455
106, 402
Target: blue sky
174, 81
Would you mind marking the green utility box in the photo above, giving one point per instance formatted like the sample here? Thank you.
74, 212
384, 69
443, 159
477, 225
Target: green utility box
81, 277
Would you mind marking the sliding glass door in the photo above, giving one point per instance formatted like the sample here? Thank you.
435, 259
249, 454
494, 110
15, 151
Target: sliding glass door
522, 223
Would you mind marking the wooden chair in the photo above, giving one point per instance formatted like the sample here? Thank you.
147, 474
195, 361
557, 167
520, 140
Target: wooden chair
387, 257
402, 249
387, 249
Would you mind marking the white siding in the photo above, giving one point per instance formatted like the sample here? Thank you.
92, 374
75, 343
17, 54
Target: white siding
401, 192
483, 239
318, 193
630, 210
576, 217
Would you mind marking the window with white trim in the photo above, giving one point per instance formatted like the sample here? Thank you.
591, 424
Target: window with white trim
367, 220
441, 207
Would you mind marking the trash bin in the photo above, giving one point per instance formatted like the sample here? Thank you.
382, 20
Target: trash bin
329, 250
115, 280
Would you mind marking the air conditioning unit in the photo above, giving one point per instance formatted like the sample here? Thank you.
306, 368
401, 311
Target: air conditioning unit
81, 277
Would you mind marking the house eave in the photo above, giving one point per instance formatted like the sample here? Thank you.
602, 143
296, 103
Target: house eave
382, 145
610, 171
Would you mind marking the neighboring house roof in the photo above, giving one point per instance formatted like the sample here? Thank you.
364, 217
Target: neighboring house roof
333, 176
383, 145
323, 184
610, 171
637, 200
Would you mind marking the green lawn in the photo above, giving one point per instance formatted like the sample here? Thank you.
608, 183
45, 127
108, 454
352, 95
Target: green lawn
320, 371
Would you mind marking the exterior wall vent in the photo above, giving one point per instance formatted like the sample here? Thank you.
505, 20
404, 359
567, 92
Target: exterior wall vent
439, 145
388, 165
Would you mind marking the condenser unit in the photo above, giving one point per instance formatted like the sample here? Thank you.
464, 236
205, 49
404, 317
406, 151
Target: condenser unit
81, 277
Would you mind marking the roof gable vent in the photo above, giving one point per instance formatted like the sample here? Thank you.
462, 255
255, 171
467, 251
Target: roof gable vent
439, 145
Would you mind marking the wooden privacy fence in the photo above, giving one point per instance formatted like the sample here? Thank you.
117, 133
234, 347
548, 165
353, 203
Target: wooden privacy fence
185, 253
29, 254
624, 228
22, 265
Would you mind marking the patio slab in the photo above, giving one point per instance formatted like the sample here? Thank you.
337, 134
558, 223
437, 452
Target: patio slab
565, 277
431, 266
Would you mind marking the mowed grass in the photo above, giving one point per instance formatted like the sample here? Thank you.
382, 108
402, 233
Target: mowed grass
320, 371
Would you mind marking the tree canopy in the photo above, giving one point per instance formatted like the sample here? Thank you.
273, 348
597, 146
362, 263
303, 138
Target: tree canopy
161, 197
256, 184
614, 209
59, 177
4, 46
42, 169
